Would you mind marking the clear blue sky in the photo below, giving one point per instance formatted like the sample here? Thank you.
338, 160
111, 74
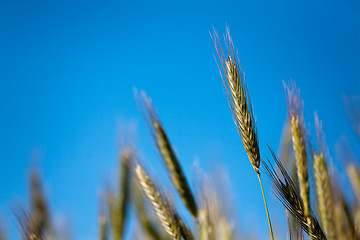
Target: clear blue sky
67, 72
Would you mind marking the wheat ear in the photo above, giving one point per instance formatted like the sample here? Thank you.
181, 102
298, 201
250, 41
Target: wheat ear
39, 211
163, 144
240, 104
324, 195
324, 192
159, 203
295, 108
151, 231
285, 190
238, 97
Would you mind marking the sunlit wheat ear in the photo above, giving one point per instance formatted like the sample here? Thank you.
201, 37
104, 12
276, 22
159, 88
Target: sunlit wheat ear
159, 203
163, 143
240, 104
150, 230
295, 111
238, 97
284, 189
118, 201
325, 196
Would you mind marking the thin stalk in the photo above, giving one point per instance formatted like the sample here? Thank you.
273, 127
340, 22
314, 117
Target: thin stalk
267, 211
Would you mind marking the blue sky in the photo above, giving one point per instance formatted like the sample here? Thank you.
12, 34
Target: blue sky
68, 68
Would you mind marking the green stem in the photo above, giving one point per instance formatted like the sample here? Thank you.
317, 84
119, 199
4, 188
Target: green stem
267, 211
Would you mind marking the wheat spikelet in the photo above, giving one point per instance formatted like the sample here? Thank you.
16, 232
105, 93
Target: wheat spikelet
159, 203
238, 97
285, 191
163, 143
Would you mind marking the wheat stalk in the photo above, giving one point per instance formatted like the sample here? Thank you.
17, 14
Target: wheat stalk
159, 203
163, 144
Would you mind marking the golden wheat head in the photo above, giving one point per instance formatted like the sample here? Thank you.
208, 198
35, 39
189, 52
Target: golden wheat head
159, 203
238, 97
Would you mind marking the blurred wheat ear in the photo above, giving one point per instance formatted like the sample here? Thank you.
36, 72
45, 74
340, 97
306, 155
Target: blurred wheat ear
118, 201
163, 144
34, 223
149, 227
295, 111
240, 104
162, 208
324, 192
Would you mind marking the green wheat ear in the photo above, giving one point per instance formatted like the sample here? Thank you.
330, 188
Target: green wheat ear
172, 163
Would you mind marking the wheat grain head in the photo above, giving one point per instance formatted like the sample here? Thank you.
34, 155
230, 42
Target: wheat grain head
238, 97
162, 209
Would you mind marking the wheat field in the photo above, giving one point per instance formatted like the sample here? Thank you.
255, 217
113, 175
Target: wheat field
330, 213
